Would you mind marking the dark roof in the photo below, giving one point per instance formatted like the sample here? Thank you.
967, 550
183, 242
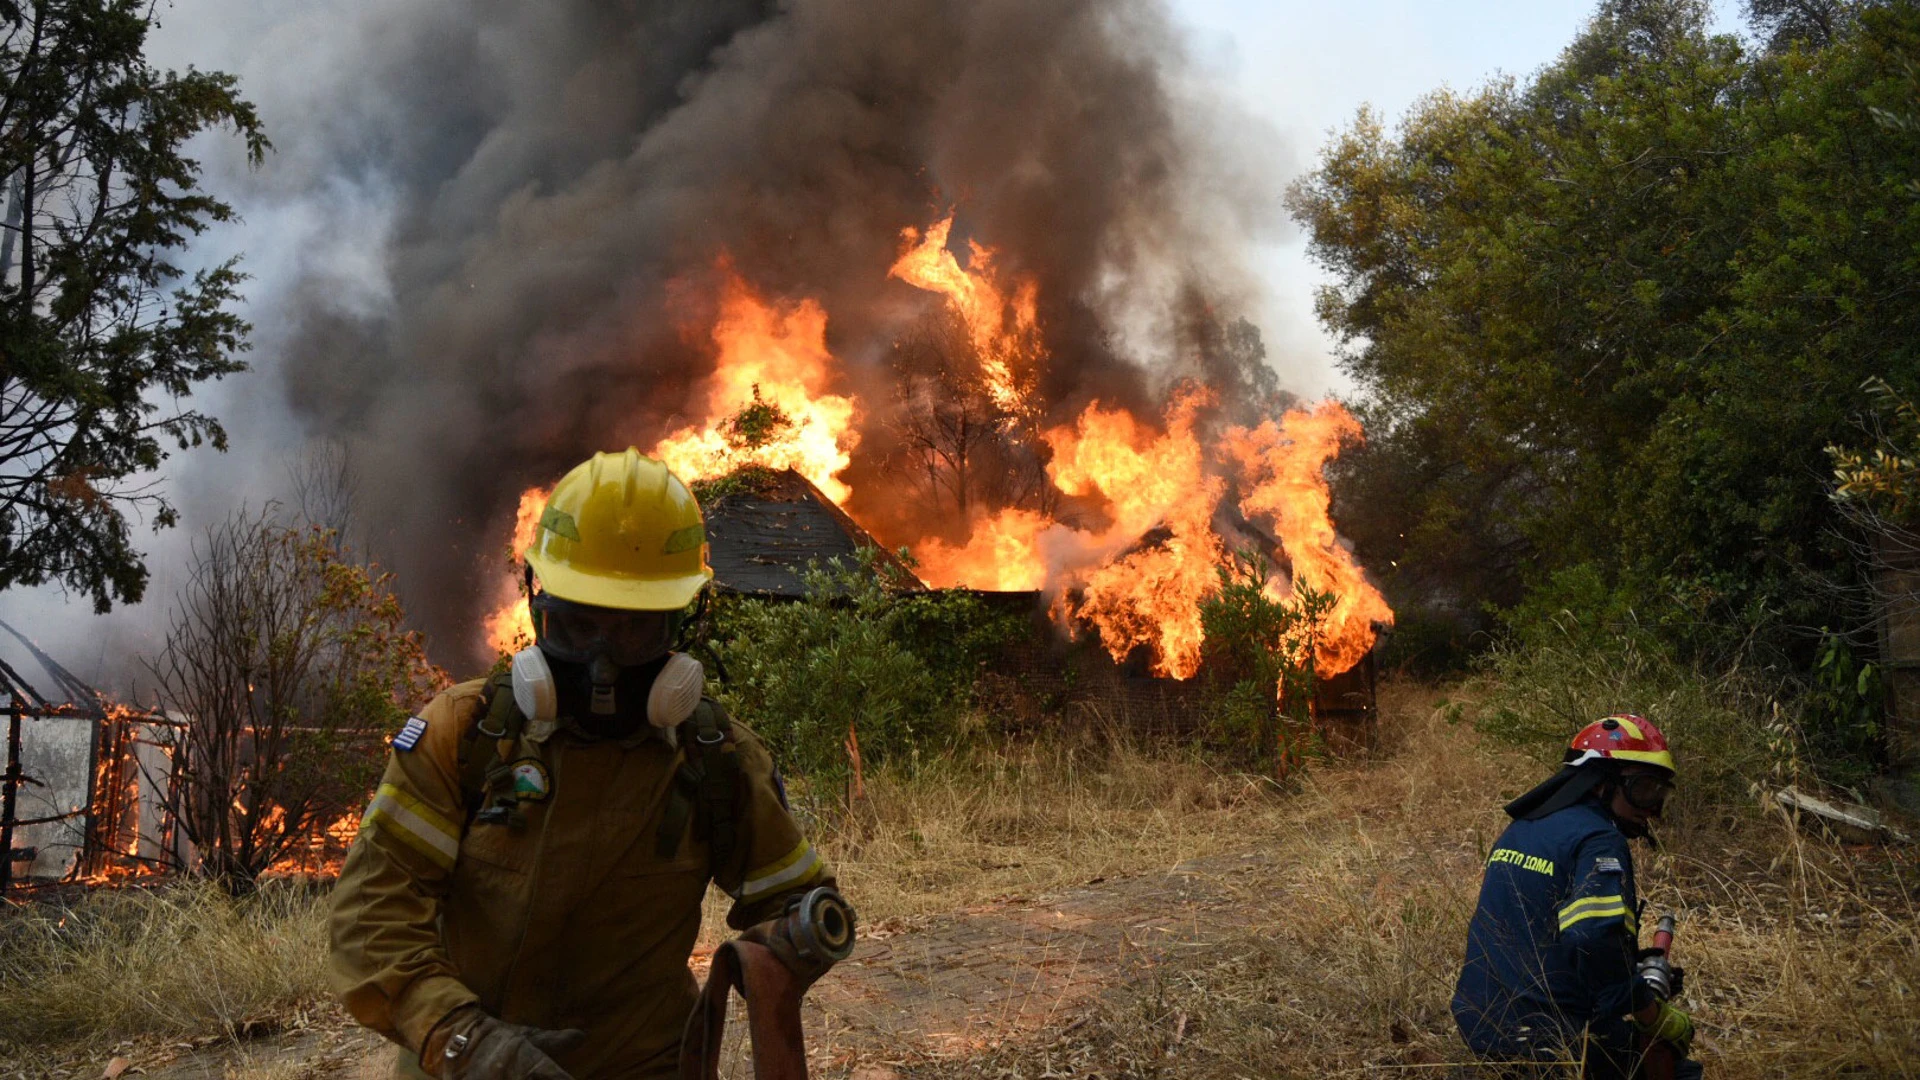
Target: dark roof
761, 540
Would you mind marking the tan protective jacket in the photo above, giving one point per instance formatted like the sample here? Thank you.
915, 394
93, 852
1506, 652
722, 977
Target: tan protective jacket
572, 919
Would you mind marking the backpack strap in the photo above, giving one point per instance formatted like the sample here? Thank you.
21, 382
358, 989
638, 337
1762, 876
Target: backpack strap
705, 787
484, 774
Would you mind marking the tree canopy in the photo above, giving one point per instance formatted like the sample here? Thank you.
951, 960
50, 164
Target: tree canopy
1606, 320
102, 335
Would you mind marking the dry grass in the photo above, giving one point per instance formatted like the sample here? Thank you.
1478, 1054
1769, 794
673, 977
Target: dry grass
178, 962
1031, 819
1803, 958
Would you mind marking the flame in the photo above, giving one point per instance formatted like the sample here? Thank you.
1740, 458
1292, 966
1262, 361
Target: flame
321, 852
770, 354
1004, 331
1283, 468
1165, 489
1140, 548
1149, 595
772, 358
1003, 553
1133, 595
510, 627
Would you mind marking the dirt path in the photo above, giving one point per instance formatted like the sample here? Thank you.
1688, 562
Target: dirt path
956, 984
931, 988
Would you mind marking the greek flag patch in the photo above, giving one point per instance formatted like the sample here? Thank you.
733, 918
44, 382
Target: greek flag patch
1607, 864
410, 734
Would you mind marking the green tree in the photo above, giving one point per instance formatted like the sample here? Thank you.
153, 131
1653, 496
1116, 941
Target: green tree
1610, 318
102, 336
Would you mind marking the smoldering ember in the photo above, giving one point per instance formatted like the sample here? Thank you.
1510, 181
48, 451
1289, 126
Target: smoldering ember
1070, 538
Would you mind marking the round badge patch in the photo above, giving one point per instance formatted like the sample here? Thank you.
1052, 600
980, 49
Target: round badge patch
530, 782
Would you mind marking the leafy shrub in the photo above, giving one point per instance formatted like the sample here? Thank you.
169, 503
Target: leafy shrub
1843, 714
857, 656
1259, 653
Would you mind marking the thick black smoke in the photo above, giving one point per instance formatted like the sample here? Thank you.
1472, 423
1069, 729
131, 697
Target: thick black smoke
555, 166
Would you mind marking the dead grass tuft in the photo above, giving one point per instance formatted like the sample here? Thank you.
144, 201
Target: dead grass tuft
1033, 818
180, 961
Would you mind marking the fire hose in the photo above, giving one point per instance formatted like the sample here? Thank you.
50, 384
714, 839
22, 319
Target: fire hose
1657, 1058
817, 932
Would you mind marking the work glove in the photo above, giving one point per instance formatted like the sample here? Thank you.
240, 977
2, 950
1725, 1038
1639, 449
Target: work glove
1670, 1026
470, 1045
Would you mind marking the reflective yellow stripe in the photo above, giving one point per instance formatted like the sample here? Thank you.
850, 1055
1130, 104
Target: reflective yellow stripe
420, 807
798, 866
1592, 901
414, 823
1594, 907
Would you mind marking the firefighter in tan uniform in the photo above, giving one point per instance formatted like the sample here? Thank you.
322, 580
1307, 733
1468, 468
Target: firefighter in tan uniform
525, 891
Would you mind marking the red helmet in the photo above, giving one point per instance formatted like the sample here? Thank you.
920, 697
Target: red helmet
1621, 737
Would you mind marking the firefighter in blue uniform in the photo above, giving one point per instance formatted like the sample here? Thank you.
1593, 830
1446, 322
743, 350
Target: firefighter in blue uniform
1550, 973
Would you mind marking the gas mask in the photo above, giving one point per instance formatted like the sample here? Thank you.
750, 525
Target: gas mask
606, 669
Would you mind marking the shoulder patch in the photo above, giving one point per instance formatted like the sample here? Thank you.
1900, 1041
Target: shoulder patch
530, 782
410, 734
1607, 864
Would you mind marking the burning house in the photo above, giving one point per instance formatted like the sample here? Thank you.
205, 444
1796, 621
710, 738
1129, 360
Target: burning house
1118, 529
89, 788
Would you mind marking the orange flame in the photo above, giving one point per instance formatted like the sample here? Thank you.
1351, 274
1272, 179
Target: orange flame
1167, 488
1002, 554
1284, 468
1004, 332
1136, 575
1151, 595
775, 354
510, 628
770, 354
1146, 596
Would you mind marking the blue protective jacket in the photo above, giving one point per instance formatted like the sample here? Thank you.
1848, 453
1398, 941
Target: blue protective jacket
1550, 949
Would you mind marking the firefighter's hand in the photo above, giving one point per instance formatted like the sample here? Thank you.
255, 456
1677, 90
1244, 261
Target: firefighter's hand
470, 1045
1670, 1026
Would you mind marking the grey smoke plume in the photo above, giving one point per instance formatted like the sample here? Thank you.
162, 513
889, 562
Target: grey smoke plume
517, 185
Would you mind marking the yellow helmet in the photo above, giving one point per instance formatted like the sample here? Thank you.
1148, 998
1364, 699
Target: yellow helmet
620, 531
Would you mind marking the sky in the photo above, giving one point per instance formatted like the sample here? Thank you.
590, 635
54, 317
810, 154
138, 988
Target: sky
1307, 68
1300, 70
